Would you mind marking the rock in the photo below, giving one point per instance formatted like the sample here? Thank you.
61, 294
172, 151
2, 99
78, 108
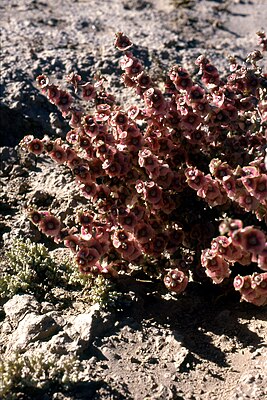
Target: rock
86, 327
175, 350
20, 305
163, 393
31, 328
61, 344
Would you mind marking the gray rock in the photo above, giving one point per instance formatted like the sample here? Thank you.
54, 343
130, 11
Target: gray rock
33, 327
175, 350
86, 327
61, 344
20, 305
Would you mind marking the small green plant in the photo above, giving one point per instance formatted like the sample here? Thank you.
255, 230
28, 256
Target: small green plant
21, 373
101, 291
30, 268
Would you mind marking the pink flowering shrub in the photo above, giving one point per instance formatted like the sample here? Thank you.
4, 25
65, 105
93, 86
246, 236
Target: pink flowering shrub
164, 176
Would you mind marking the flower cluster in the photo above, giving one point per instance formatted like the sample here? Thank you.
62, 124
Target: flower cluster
160, 174
243, 246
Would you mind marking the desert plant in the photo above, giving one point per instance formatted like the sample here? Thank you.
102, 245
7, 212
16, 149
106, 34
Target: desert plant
36, 374
162, 176
28, 266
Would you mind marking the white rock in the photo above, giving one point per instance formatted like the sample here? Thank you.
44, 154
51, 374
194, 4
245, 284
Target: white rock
20, 305
33, 327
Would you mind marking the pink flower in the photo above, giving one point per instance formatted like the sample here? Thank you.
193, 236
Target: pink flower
42, 81
243, 285
48, 145
158, 244
35, 216
87, 259
88, 91
64, 101
129, 250
195, 178
36, 146
216, 267
190, 121
143, 232
103, 112
89, 190
84, 218
219, 169
128, 221
50, 225
120, 236
165, 146
134, 69
90, 126
165, 176
152, 193
210, 191
86, 145
257, 186
103, 151
76, 117
143, 80
259, 282
154, 101
102, 193
229, 185
180, 78
248, 202
53, 94
147, 160
195, 95
72, 241
122, 42
131, 138
250, 239
262, 259
58, 154
72, 137
210, 75
120, 119
220, 244
73, 161
252, 288
138, 211
82, 174
86, 232
219, 117
112, 168
174, 240
202, 108
176, 281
